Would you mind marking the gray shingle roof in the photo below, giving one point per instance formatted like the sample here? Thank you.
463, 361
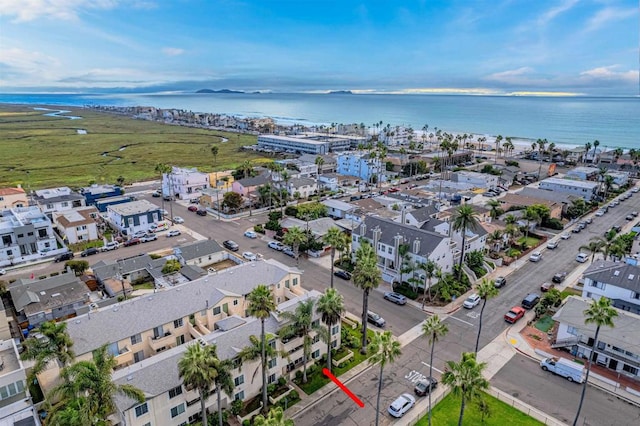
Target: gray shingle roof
198, 249
137, 315
110, 268
26, 291
389, 229
544, 194
423, 213
254, 181
618, 274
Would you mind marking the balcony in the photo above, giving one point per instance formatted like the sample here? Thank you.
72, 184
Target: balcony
569, 341
124, 358
167, 340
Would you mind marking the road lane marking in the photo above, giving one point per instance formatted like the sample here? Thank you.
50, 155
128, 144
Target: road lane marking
439, 371
458, 319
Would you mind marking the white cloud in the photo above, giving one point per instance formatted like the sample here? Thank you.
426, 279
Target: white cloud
609, 73
609, 14
172, 51
28, 66
516, 76
550, 14
29, 10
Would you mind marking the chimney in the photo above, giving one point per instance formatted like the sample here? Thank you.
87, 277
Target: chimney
416, 246
376, 237
403, 216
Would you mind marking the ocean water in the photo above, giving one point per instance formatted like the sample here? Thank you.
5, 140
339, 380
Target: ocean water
615, 122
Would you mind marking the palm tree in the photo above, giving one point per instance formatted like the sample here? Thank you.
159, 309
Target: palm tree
587, 148
594, 246
434, 329
429, 267
498, 140
366, 276
600, 313
319, 163
261, 304
197, 372
223, 380
294, 237
166, 169
464, 219
494, 206
596, 144
57, 346
486, 290
254, 351
494, 238
608, 184
274, 418
330, 306
335, 238
384, 349
215, 150
530, 215
541, 144
465, 379
301, 324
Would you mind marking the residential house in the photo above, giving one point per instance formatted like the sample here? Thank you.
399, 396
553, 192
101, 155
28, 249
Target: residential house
576, 155
328, 163
360, 164
13, 197
418, 217
48, 299
619, 178
184, 183
134, 216
553, 196
592, 156
57, 200
516, 200
339, 209
299, 168
200, 253
617, 347
584, 189
78, 225
328, 181
478, 180
95, 192
387, 237
102, 203
617, 281
250, 185
475, 239
302, 187
26, 234
221, 180
584, 173
16, 406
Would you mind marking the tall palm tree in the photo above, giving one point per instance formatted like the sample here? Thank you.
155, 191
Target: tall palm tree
366, 276
541, 145
595, 246
165, 169
274, 418
429, 267
224, 381
254, 351
587, 148
434, 329
494, 238
600, 313
384, 349
465, 379
486, 290
197, 372
494, 206
335, 238
498, 140
294, 237
530, 215
261, 304
57, 346
215, 150
301, 324
608, 184
464, 219
330, 306
596, 144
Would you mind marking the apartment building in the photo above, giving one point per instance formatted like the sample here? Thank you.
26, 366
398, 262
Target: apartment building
16, 407
133, 216
57, 200
360, 164
309, 143
586, 190
184, 183
617, 281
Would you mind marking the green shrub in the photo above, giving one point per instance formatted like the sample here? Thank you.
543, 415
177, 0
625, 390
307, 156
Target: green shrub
259, 229
511, 163
42, 277
154, 256
553, 223
246, 422
236, 407
271, 388
282, 381
291, 211
406, 290
53, 274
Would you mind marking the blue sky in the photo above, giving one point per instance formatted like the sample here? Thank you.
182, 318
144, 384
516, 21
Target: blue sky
397, 46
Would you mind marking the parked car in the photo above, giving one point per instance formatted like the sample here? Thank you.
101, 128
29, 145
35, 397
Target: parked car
472, 301
629, 217
552, 244
178, 219
192, 208
163, 212
131, 242
634, 214
251, 234
530, 301
576, 230
231, 245
535, 256
396, 298
194, 201
401, 405
139, 234
514, 314
201, 212
276, 245
635, 190
559, 277
425, 386
342, 274
565, 236
148, 237
375, 319
3, 271
289, 252
546, 286
589, 220
173, 233
249, 255
566, 368
111, 245
156, 195
600, 213
500, 282
89, 252
582, 257
64, 256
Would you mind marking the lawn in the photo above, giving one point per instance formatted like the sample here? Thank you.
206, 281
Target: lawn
544, 323
39, 151
569, 291
531, 241
447, 413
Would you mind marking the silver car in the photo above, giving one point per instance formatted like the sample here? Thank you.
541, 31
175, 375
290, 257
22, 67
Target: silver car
401, 405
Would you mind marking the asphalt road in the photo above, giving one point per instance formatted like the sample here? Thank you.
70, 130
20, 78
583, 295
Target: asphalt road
559, 398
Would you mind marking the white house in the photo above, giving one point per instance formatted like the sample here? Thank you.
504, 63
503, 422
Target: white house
304, 187
480, 180
618, 347
132, 217
619, 178
328, 181
184, 183
584, 189
77, 225
57, 200
339, 209
617, 281
388, 237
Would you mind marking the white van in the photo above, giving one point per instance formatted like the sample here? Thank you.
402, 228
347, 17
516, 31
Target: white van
570, 370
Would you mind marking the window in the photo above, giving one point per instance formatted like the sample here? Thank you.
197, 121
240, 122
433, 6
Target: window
389, 250
6, 240
235, 302
335, 329
295, 281
136, 338
630, 369
216, 310
20, 235
316, 339
142, 409
42, 233
239, 380
175, 392
316, 354
572, 330
176, 411
597, 284
138, 356
602, 346
239, 396
177, 323
272, 362
635, 295
271, 379
286, 283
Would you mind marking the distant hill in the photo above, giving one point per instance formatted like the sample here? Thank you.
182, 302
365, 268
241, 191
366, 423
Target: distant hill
219, 91
340, 92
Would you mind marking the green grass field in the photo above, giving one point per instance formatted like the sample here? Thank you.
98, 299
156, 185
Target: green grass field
40, 151
447, 412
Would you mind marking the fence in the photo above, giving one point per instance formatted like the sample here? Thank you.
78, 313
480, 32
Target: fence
525, 408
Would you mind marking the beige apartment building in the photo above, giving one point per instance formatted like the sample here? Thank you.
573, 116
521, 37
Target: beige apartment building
148, 335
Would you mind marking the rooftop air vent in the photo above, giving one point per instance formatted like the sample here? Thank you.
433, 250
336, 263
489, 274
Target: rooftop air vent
631, 276
616, 273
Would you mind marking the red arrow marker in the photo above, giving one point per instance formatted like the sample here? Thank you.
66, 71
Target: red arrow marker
346, 390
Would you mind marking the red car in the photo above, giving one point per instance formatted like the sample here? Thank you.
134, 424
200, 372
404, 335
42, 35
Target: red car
394, 189
514, 314
132, 242
192, 208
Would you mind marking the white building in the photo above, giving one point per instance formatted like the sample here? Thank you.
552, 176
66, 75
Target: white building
328, 181
480, 180
617, 281
584, 189
26, 234
619, 178
303, 187
132, 217
308, 143
184, 183
16, 407
57, 200
339, 209
362, 165
77, 225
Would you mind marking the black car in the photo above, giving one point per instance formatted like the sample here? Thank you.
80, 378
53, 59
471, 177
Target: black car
559, 277
231, 245
89, 252
425, 386
201, 212
64, 256
342, 274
